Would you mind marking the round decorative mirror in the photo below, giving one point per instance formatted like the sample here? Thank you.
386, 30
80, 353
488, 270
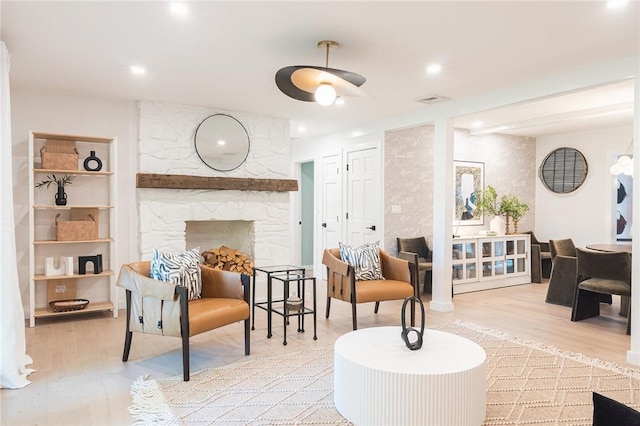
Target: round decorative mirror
222, 142
563, 170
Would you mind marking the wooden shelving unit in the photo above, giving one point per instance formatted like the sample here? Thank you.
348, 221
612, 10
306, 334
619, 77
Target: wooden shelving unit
93, 190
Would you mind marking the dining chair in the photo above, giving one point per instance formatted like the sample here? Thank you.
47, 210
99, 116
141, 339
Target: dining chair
409, 249
600, 273
563, 272
540, 259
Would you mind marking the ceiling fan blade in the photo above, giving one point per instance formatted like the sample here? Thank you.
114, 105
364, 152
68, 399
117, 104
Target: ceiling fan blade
300, 81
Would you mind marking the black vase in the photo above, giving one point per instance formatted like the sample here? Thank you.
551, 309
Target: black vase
61, 196
92, 158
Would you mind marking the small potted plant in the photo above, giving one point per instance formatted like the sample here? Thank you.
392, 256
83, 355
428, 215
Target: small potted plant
60, 182
488, 203
514, 209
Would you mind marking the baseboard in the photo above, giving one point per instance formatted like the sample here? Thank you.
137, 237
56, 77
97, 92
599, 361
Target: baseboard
441, 307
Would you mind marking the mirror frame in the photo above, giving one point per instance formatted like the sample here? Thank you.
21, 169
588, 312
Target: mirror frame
574, 180
208, 161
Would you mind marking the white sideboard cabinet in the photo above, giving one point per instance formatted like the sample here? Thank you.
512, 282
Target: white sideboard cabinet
482, 263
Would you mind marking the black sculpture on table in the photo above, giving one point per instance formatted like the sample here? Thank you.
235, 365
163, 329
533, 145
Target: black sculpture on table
417, 344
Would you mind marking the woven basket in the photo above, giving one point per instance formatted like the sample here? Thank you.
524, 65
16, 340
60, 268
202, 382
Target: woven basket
68, 305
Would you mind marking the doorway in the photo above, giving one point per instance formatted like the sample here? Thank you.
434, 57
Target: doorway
306, 213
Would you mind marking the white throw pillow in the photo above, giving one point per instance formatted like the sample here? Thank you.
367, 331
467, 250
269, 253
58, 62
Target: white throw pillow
182, 269
365, 259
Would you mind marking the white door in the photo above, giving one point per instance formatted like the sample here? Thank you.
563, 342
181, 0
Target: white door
331, 201
363, 197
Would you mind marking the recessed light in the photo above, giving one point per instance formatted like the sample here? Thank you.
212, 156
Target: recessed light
222, 142
434, 69
339, 101
137, 70
615, 4
178, 8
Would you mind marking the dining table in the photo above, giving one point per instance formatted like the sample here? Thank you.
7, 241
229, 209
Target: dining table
621, 246
615, 247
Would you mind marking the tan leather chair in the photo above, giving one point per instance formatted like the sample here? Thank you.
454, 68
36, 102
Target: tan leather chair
162, 308
399, 282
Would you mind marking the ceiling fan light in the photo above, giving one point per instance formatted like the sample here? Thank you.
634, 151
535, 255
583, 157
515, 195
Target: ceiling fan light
325, 94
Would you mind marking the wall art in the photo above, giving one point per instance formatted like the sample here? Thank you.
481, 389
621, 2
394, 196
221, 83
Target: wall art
469, 181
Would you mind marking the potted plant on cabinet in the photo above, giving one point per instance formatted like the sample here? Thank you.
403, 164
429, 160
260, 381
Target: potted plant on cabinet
514, 209
60, 182
508, 206
488, 203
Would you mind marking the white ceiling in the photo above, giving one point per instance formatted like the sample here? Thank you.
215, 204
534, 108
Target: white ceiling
225, 55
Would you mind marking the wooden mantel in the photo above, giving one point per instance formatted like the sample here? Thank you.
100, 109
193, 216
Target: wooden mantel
153, 180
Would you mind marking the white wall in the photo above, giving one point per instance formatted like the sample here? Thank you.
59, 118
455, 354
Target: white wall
584, 215
80, 116
306, 150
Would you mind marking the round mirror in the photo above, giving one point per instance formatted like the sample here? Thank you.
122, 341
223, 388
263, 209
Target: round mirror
563, 170
222, 142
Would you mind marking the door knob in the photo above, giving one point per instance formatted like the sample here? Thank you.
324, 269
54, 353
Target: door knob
324, 225
372, 227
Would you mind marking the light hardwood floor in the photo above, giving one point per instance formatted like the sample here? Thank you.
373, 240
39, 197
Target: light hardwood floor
81, 380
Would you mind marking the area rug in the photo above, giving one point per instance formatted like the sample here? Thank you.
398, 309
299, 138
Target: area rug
527, 383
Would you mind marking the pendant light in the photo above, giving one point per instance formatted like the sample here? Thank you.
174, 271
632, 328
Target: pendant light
319, 84
624, 164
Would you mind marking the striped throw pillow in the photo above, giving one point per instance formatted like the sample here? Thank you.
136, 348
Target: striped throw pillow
182, 269
365, 259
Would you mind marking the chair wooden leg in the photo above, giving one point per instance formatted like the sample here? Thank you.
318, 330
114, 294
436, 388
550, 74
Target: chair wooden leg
185, 357
128, 333
328, 306
375, 310
247, 334
184, 330
353, 314
127, 344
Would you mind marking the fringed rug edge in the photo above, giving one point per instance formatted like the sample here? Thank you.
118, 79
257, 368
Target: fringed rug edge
575, 356
148, 404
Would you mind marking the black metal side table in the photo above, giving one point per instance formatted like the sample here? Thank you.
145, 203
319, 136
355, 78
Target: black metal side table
267, 306
298, 309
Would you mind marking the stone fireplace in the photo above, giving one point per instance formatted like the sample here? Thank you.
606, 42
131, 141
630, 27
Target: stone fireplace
209, 234
256, 222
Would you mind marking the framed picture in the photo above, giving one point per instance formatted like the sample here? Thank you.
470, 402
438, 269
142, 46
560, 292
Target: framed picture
469, 181
624, 207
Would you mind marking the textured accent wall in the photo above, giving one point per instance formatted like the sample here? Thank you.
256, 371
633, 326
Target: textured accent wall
408, 183
166, 146
509, 166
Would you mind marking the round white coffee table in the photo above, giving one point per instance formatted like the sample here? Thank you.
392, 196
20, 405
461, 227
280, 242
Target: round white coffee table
378, 380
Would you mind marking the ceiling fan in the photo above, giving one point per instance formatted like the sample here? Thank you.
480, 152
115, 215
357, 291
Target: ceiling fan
319, 84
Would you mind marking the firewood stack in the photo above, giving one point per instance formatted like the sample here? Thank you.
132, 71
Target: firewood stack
228, 259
